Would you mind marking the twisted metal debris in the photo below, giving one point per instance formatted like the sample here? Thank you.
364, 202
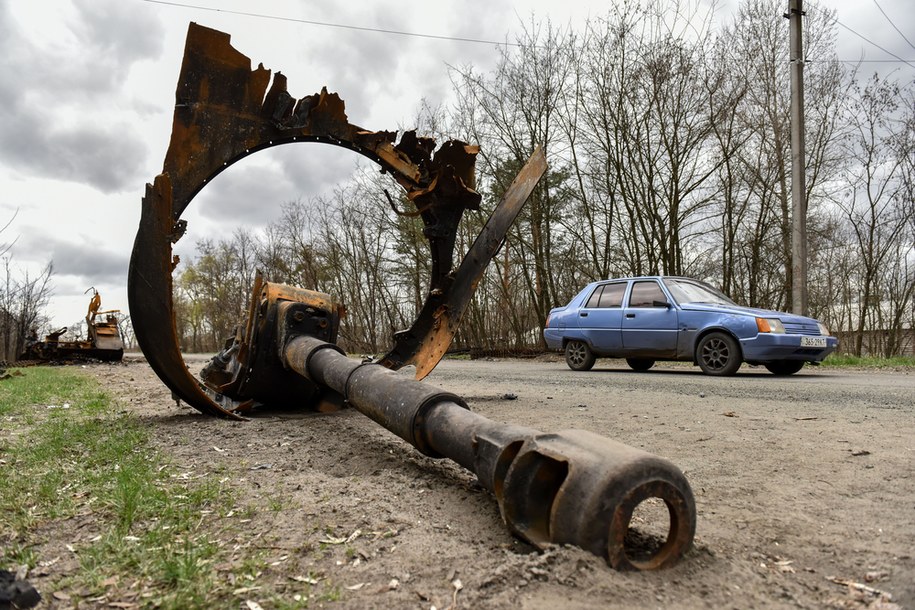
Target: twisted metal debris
569, 487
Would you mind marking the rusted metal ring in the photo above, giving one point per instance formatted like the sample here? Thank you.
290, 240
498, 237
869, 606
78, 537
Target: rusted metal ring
349, 377
419, 427
679, 535
315, 350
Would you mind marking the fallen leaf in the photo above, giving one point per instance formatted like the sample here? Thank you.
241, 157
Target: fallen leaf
875, 576
253, 605
244, 590
729, 414
357, 586
305, 579
335, 540
60, 595
49, 562
860, 587
857, 452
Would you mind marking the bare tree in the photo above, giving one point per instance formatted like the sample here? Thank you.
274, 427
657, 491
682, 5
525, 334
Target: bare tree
23, 300
877, 205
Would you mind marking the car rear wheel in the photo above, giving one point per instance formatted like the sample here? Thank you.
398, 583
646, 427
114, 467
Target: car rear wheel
718, 354
639, 364
579, 356
785, 367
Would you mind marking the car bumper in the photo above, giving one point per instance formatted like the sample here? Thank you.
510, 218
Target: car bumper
766, 347
553, 338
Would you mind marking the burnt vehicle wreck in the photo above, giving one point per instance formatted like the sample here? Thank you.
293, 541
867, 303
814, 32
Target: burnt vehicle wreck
571, 487
103, 339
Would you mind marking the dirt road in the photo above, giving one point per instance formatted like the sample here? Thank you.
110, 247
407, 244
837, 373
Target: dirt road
801, 484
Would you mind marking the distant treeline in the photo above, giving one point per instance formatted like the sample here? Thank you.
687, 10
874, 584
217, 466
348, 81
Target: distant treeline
669, 150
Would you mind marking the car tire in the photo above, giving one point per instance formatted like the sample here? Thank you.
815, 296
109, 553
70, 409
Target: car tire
639, 364
785, 367
718, 354
579, 356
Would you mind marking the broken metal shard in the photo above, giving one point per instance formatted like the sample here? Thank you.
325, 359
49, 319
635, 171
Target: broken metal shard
570, 487
224, 111
103, 338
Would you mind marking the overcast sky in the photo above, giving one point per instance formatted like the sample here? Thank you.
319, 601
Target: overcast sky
87, 93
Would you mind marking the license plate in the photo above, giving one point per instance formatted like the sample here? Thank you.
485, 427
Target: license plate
813, 341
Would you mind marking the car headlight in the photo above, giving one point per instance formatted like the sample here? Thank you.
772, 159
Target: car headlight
823, 330
770, 325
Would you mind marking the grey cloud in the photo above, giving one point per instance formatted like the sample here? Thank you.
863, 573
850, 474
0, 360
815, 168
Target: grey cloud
123, 30
109, 157
85, 261
374, 68
248, 195
101, 156
43, 89
252, 195
108, 36
315, 168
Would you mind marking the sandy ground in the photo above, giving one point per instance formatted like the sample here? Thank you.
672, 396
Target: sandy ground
802, 484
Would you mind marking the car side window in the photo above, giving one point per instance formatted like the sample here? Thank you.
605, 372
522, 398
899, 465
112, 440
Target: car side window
612, 295
644, 294
595, 298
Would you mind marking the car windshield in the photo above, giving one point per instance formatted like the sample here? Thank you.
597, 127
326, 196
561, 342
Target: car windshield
693, 292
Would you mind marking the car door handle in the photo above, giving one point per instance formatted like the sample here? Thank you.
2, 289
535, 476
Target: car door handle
583, 314
630, 315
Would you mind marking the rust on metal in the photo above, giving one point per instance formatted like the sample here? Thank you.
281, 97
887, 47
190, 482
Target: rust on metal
103, 338
571, 487
429, 338
224, 111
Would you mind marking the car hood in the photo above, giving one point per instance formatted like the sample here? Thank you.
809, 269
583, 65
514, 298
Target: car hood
746, 311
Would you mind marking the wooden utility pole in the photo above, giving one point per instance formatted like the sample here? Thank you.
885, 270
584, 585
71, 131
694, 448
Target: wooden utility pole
798, 179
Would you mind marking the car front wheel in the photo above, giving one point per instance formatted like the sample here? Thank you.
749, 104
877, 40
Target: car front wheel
639, 364
579, 356
785, 367
718, 354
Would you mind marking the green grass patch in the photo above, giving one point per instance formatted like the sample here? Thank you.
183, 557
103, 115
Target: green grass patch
74, 466
848, 360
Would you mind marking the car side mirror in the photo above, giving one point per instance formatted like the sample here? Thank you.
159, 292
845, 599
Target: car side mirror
663, 304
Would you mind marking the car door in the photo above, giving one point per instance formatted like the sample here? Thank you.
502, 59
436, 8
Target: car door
600, 319
649, 325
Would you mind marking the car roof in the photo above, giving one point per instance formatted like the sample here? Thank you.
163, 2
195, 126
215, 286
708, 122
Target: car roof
648, 277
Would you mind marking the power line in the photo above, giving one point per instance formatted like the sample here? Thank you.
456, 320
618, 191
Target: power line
864, 38
872, 61
331, 25
892, 23
910, 63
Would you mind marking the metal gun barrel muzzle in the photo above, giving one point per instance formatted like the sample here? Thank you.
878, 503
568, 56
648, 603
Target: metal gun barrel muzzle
571, 487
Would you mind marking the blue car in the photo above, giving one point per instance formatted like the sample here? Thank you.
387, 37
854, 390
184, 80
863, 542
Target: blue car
646, 319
